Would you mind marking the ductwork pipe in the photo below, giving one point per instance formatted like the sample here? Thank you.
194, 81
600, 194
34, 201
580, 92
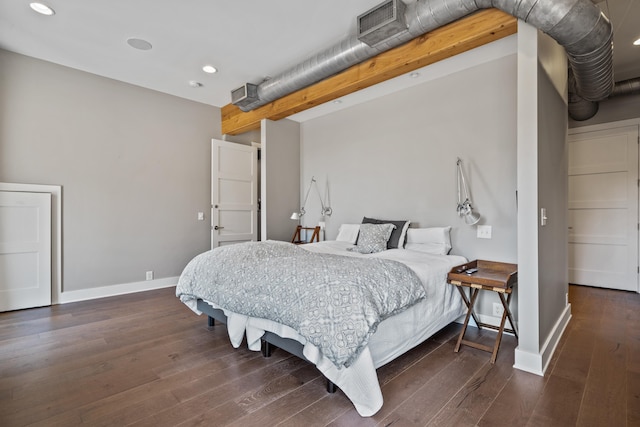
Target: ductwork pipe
581, 109
578, 25
626, 87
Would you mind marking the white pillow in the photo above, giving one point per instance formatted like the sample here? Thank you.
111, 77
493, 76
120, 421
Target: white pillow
433, 240
348, 233
427, 248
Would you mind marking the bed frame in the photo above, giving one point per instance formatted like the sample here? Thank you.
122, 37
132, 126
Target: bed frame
268, 340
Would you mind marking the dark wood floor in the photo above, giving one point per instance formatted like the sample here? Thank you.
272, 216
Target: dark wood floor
146, 360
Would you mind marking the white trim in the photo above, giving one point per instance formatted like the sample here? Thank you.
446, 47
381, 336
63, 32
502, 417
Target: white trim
113, 290
604, 126
56, 229
538, 363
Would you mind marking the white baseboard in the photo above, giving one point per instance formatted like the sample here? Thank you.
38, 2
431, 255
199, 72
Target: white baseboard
537, 363
110, 291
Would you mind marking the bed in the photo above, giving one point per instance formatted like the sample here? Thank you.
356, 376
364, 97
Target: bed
392, 335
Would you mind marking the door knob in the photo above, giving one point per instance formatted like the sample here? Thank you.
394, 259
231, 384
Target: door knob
217, 228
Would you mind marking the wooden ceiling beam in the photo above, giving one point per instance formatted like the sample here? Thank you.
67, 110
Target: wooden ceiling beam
470, 32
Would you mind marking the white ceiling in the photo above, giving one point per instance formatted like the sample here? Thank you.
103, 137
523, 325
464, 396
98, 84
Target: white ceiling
246, 40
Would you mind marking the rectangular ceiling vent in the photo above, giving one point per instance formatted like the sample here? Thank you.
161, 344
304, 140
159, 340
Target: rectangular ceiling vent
245, 95
382, 22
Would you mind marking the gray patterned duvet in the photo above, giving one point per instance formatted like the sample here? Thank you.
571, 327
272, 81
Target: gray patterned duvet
333, 301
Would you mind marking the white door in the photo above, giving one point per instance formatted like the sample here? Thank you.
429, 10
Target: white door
603, 208
234, 193
25, 250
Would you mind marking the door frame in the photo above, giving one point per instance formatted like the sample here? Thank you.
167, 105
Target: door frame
609, 126
56, 230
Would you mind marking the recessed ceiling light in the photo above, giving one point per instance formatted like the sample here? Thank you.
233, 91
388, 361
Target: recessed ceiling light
194, 83
414, 75
139, 44
209, 69
637, 42
337, 101
42, 8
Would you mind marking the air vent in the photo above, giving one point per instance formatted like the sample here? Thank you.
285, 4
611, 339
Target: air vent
382, 22
244, 95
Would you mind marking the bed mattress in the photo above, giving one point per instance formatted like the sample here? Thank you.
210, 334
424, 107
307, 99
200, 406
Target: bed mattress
394, 336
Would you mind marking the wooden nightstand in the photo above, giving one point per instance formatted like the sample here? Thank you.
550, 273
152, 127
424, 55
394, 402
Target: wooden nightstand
297, 237
493, 276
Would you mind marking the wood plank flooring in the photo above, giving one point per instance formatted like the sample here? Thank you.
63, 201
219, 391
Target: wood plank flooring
146, 360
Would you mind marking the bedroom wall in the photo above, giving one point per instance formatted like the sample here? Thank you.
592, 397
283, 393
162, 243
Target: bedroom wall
395, 158
134, 165
542, 183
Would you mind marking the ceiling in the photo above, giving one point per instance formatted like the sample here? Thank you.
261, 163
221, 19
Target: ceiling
247, 41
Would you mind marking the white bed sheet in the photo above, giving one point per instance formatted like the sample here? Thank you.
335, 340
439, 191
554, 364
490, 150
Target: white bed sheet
394, 336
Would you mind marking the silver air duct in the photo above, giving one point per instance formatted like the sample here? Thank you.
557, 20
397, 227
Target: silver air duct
577, 25
626, 87
580, 109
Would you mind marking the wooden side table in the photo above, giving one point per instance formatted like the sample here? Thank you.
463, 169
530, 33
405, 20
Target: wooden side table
297, 237
493, 276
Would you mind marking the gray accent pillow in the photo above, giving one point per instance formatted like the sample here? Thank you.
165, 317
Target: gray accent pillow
373, 238
399, 232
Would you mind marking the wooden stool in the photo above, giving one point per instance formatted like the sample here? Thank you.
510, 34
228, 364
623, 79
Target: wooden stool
297, 238
498, 277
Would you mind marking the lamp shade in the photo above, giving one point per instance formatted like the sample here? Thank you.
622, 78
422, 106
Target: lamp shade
471, 218
464, 209
295, 215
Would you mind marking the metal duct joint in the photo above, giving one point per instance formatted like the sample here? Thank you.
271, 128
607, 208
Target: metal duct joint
626, 87
581, 109
577, 25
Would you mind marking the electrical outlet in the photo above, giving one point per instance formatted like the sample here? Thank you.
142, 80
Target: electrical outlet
200, 216
149, 275
322, 225
498, 309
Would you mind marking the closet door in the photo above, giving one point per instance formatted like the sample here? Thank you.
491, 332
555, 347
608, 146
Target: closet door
234, 193
25, 250
603, 207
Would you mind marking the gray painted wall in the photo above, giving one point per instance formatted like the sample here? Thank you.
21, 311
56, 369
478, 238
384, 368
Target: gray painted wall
553, 196
395, 158
280, 178
134, 165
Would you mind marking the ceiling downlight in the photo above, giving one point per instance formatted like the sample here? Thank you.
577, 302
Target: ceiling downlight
139, 44
42, 9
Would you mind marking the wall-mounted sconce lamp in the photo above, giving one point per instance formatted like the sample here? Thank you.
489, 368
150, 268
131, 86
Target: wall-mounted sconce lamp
465, 210
326, 210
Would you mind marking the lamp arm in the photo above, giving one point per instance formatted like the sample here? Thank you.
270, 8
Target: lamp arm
306, 196
464, 182
458, 171
319, 196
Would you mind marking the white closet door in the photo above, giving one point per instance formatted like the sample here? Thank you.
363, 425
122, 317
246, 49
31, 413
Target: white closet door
603, 208
234, 193
25, 250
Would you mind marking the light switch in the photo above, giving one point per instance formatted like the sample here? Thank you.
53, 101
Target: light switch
200, 216
484, 232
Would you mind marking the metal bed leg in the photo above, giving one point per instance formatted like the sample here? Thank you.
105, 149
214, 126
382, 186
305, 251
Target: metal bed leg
266, 348
211, 321
331, 387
